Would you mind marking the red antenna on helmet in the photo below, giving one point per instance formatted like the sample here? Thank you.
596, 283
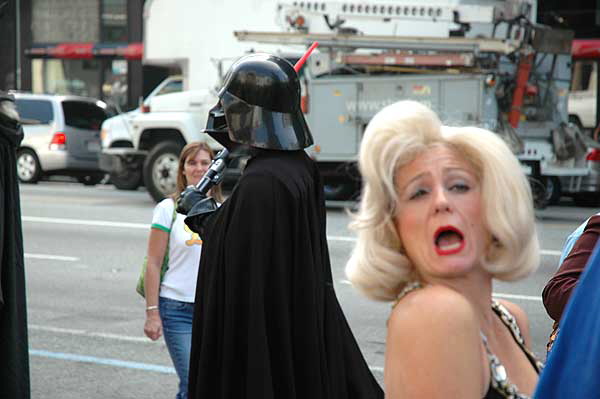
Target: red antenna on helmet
303, 59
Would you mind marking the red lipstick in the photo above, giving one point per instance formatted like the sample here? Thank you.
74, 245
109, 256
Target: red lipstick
449, 248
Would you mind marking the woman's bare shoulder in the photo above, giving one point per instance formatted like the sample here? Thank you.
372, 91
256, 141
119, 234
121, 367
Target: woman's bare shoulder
433, 304
430, 332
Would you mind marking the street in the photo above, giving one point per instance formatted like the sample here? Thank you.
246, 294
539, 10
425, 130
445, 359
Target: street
84, 247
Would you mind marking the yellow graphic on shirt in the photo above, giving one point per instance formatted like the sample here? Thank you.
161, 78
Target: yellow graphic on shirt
194, 240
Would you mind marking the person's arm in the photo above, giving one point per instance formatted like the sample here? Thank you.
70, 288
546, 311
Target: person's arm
157, 245
434, 348
558, 290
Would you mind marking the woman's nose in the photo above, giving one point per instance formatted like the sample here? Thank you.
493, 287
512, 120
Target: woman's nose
441, 203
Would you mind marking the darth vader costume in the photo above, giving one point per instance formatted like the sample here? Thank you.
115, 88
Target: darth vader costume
267, 322
14, 356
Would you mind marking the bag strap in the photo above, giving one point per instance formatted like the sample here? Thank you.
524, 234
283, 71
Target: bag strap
173, 217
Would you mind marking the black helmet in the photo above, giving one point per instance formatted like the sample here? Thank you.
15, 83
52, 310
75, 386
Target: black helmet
259, 105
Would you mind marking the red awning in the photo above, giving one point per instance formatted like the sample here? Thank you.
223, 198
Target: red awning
81, 51
73, 51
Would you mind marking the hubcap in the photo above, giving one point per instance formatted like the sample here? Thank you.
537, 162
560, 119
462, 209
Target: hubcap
164, 173
26, 166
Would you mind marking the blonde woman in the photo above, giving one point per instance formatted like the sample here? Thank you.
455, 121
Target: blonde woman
444, 211
170, 304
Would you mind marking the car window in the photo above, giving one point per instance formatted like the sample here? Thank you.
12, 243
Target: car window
83, 115
174, 86
34, 111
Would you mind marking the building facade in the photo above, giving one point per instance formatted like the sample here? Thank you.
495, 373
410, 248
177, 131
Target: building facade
85, 47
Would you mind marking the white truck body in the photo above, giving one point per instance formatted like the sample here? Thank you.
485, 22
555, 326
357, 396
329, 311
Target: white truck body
198, 37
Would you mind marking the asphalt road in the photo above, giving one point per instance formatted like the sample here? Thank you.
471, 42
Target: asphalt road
83, 250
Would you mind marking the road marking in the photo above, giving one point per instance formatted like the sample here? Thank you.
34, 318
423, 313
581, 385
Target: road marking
103, 361
89, 333
518, 296
104, 223
550, 252
51, 257
496, 294
100, 223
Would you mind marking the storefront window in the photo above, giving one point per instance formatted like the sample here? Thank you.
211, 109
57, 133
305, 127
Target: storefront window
114, 88
114, 21
78, 77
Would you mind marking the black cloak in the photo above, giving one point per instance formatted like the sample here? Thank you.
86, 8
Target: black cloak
267, 323
14, 356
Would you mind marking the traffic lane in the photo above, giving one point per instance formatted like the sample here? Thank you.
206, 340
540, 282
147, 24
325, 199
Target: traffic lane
57, 379
120, 267
52, 199
90, 293
102, 276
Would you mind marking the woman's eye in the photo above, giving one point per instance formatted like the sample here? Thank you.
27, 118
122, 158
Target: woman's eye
460, 187
418, 193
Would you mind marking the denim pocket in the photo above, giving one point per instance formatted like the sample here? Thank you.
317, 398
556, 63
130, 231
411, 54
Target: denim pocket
171, 304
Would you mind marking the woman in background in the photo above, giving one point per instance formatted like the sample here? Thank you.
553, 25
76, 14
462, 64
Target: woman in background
170, 303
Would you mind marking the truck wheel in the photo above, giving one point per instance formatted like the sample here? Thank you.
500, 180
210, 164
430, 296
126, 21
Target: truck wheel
29, 169
130, 180
538, 191
553, 190
160, 170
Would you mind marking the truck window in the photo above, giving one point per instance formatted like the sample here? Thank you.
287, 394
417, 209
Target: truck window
83, 115
174, 86
34, 111
584, 76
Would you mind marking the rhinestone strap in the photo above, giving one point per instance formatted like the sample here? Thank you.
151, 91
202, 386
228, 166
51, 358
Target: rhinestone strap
408, 288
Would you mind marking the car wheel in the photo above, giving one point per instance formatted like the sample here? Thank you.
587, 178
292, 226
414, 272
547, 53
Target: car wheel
160, 170
28, 166
130, 180
90, 180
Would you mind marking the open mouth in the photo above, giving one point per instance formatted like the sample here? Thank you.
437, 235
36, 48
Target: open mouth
448, 240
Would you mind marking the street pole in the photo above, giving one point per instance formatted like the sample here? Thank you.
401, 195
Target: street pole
18, 45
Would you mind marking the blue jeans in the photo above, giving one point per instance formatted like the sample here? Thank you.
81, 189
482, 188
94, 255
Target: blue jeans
176, 317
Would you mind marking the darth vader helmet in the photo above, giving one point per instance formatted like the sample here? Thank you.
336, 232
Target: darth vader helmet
259, 106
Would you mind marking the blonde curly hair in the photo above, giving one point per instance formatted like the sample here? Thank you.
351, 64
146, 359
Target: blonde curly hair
394, 137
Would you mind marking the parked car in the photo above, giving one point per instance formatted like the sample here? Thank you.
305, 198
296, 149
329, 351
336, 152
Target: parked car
62, 137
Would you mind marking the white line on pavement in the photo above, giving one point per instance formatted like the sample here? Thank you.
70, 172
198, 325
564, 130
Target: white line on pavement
498, 295
104, 223
105, 361
517, 296
51, 257
101, 223
72, 331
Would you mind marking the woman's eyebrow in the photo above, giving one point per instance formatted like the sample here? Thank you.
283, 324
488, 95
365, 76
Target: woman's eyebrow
413, 179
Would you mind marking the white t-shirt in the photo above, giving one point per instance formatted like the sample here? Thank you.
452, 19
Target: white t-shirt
185, 246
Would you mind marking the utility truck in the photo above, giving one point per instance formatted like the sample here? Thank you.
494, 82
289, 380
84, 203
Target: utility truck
483, 63
493, 68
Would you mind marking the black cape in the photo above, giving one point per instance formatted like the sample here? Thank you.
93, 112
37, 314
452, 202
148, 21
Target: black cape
14, 357
267, 323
